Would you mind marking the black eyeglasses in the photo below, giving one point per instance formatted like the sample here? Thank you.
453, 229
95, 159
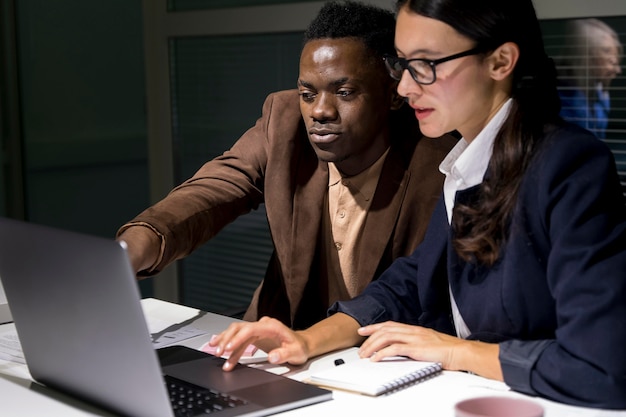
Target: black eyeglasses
422, 70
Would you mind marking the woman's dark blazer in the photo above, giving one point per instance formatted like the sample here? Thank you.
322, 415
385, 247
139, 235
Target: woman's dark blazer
555, 300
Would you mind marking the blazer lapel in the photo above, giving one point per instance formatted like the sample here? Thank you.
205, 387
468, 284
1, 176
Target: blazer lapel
308, 198
382, 216
432, 273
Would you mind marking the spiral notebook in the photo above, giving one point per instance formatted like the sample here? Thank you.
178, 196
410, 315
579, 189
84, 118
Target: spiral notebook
375, 378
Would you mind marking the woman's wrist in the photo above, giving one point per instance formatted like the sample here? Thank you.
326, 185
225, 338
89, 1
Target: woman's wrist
477, 357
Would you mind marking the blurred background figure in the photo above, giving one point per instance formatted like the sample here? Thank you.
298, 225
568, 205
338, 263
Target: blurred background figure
589, 63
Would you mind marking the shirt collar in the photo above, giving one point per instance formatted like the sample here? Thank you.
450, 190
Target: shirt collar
467, 163
365, 182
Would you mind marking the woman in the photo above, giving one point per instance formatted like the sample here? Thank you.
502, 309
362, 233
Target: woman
520, 276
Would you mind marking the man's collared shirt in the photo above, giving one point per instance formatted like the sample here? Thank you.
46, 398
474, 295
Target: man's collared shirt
348, 201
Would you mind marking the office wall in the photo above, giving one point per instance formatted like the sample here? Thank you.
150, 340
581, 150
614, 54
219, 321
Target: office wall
81, 82
82, 114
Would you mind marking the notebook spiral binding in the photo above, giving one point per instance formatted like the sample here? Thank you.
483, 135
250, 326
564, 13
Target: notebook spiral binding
412, 378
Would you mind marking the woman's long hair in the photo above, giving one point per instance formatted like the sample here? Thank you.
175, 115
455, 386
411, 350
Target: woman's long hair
481, 226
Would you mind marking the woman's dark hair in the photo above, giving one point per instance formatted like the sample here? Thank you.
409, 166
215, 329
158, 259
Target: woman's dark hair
349, 19
481, 226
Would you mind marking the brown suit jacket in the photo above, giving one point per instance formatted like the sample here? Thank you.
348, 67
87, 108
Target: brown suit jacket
273, 163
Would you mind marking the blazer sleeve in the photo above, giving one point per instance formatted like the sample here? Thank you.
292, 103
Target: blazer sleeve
573, 196
390, 297
220, 191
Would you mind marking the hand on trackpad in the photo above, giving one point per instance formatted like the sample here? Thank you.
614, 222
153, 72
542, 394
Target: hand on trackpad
252, 354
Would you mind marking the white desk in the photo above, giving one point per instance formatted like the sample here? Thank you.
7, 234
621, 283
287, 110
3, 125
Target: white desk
19, 396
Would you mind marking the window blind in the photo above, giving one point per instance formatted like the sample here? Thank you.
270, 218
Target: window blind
218, 86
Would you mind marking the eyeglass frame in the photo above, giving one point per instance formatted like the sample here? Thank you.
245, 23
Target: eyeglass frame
432, 63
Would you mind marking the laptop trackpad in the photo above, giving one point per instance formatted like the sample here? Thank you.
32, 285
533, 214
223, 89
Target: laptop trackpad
208, 373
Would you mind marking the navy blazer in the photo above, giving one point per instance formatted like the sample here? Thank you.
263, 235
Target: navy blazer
555, 300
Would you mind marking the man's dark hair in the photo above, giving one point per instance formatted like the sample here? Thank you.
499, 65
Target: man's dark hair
375, 26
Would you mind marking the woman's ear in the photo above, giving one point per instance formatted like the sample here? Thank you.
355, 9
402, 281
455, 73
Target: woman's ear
503, 60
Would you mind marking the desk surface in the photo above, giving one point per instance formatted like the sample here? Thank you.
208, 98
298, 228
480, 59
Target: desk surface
20, 396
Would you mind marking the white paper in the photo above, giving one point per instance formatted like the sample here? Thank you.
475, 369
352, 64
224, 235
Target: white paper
161, 336
3, 297
10, 347
5, 313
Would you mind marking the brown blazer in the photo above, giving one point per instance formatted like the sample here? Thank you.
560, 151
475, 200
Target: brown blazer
273, 163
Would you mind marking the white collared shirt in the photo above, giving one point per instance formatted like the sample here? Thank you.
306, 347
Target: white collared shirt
465, 167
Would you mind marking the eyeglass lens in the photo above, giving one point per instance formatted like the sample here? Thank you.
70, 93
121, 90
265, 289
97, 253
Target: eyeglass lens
421, 71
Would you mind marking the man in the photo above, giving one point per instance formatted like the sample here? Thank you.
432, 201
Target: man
590, 62
348, 181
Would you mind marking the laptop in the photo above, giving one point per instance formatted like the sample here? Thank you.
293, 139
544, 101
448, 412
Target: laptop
77, 311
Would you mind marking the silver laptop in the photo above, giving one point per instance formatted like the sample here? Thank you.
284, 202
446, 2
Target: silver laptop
77, 311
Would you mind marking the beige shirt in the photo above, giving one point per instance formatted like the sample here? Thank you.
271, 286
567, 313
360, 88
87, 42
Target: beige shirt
348, 201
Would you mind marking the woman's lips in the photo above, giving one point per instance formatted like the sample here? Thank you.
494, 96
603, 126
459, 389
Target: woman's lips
422, 112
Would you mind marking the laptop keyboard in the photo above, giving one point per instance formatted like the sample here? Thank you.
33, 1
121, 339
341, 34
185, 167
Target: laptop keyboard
191, 400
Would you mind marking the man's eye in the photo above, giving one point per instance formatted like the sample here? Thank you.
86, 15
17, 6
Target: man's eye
344, 93
307, 96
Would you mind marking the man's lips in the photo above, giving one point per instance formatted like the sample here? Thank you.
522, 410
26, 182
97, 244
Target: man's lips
323, 136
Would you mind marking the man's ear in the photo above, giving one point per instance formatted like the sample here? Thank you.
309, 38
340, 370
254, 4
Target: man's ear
503, 60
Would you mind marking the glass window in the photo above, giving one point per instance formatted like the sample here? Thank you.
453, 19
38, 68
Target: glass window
589, 56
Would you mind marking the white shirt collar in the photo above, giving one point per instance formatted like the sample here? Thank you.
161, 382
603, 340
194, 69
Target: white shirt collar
466, 164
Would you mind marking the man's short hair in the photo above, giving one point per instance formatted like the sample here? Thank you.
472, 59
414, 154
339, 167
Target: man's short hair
375, 26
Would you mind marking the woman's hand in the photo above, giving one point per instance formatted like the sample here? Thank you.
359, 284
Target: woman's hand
420, 343
282, 344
